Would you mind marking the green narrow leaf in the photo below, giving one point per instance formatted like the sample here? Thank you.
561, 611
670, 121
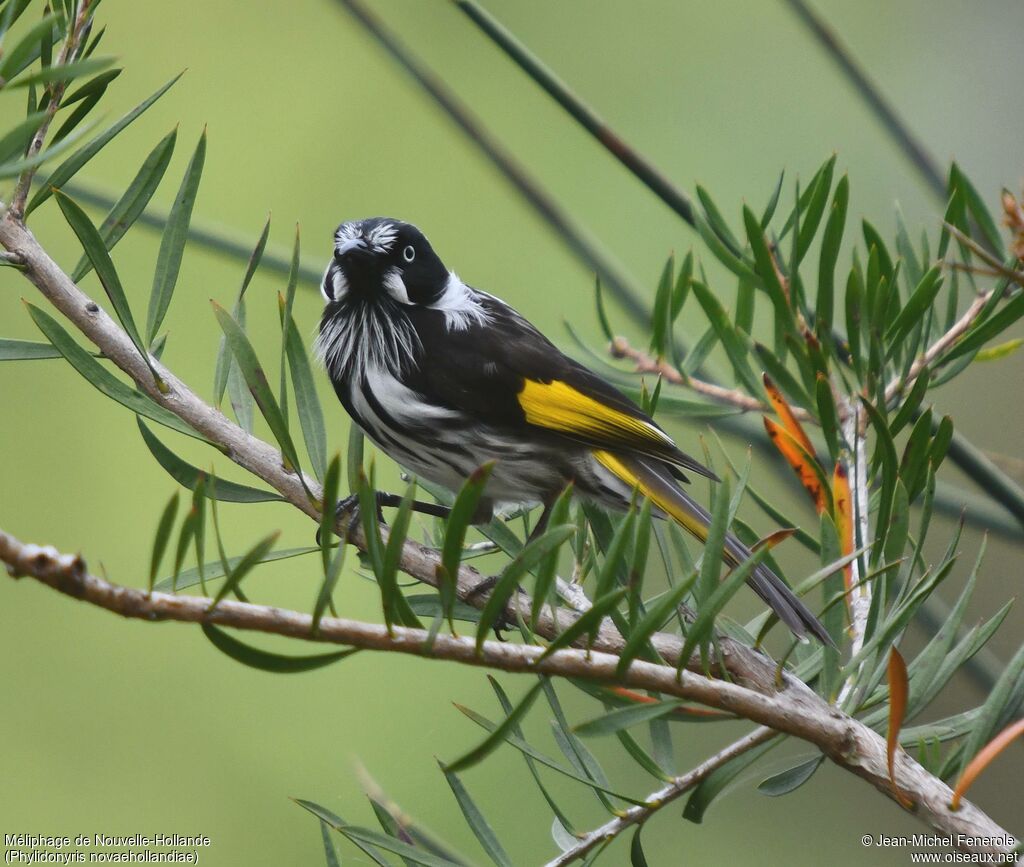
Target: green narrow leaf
402, 611
311, 417
219, 568
257, 554
354, 457
273, 662
636, 850
133, 202
548, 568
103, 380
766, 271
976, 205
163, 533
773, 202
790, 779
25, 350
717, 222
831, 242
625, 717
328, 508
711, 566
661, 321
330, 856
188, 475
602, 315
532, 553
238, 394
588, 623
248, 363
172, 242
97, 253
1006, 695
198, 514
463, 510
495, 738
66, 72
24, 52
478, 824
224, 360
918, 304
988, 329
736, 348
16, 140
657, 615
336, 823
715, 783
66, 170
701, 629
289, 301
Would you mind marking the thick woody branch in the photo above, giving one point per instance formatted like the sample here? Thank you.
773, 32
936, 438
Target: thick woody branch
754, 689
791, 709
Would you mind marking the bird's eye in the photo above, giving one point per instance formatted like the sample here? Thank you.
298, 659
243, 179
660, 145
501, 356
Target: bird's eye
409, 253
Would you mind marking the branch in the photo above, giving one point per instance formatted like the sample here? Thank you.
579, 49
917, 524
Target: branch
755, 689
656, 800
55, 91
859, 594
933, 352
620, 348
792, 709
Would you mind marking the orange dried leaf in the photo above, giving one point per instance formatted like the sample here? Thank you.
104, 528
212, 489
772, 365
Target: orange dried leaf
899, 687
842, 508
785, 413
985, 757
802, 462
773, 539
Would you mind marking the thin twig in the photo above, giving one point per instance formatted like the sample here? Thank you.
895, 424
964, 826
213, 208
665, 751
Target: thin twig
55, 92
621, 348
901, 383
585, 116
926, 165
657, 800
793, 709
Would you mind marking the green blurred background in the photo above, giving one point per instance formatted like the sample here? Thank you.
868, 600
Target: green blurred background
122, 727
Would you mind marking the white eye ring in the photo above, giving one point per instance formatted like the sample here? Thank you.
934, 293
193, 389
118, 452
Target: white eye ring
409, 253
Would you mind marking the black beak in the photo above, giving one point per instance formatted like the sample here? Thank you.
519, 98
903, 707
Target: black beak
357, 247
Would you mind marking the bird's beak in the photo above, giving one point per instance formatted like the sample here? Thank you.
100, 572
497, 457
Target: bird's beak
356, 245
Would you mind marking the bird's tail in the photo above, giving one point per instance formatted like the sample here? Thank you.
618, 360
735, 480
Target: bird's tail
653, 480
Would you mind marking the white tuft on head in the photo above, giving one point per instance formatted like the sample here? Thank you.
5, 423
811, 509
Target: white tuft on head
460, 305
379, 239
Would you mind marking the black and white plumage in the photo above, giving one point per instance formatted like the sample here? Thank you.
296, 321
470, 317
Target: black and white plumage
444, 378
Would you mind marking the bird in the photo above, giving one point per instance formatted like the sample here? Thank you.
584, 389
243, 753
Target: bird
443, 378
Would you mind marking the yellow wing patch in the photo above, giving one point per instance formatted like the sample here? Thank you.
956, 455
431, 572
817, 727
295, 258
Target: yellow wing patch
558, 406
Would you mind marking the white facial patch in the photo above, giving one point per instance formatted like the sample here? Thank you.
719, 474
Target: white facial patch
395, 286
334, 286
460, 304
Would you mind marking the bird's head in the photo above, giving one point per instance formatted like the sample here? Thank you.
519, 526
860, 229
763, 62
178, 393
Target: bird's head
380, 258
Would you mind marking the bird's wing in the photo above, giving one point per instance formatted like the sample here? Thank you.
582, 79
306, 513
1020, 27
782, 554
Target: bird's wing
506, 374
